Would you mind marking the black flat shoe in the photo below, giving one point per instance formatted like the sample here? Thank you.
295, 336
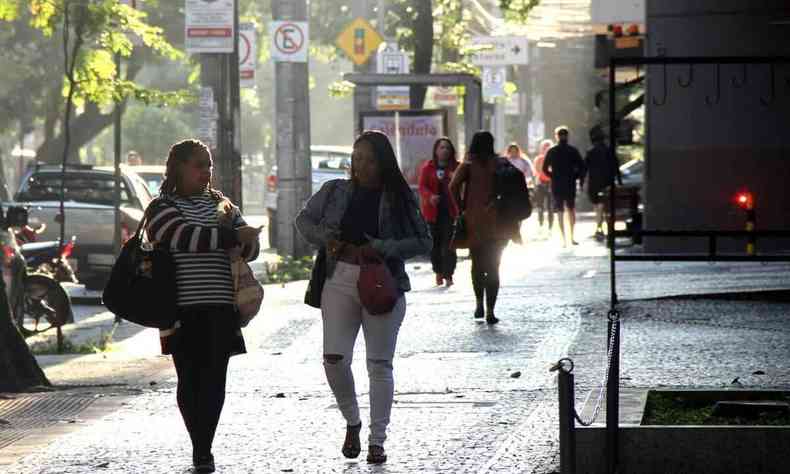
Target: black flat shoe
351, 446
491, 319
376, 454
479, 314
204, 463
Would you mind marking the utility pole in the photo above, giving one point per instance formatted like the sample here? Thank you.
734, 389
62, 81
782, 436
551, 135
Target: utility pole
292, 119
117, 153
364, 95
220, 72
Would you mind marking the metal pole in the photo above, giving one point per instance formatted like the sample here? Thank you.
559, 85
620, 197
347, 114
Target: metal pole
220, 71
613, 395
612, 188
567, 428
292, 109
117, 152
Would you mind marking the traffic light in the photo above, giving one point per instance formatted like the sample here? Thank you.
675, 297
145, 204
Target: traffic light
744, 200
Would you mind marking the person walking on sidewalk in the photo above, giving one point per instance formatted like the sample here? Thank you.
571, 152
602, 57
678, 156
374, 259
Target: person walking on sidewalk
520, 160
543, 187
439, 208
565, 166
602, 168
372, 215
487, 235
185, 219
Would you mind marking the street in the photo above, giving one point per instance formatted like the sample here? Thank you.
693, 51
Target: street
461, 405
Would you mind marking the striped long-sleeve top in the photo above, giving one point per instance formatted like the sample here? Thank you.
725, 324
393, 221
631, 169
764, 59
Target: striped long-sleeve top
189, 227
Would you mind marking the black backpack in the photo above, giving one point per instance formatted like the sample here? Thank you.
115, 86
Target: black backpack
142, 285
511, 192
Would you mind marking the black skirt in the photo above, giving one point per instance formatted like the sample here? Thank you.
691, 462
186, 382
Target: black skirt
205, 329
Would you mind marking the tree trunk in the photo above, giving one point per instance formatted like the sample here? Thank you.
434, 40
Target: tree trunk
18, 368
423, 49
84, 128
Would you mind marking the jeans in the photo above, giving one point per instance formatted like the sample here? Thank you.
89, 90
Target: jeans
343, 315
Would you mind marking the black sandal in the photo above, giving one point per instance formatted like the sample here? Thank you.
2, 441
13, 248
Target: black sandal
376, 454
352, 446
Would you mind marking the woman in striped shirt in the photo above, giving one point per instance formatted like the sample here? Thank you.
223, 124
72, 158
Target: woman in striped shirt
200, 227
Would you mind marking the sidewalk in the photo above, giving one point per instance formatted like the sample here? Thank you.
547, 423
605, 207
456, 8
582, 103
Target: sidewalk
460, 406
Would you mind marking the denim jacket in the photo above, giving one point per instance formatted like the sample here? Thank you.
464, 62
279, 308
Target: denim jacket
400, 237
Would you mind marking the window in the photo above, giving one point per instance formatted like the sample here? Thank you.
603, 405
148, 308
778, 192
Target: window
92, 188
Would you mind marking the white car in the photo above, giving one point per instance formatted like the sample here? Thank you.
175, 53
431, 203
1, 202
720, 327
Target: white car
328, 162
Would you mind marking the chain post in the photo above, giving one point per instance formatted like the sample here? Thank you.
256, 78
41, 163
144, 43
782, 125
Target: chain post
613, 393
565, 385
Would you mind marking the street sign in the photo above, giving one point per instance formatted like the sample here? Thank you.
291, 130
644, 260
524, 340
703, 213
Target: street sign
445, 96
209, 26
500, 50
494, 78
289, 41
248, 54
359, 40
391, 60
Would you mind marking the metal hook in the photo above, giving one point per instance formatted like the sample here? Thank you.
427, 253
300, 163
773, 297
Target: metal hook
664, 96
767, 102
718, 88
738, 84
690, 79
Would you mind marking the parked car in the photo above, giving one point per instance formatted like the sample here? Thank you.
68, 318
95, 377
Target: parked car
89, 212
153, 175
633, 173
328, 162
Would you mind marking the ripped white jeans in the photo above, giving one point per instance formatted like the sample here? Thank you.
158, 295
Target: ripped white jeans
343, 314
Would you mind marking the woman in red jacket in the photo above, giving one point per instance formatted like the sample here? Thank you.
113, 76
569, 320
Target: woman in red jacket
439, 208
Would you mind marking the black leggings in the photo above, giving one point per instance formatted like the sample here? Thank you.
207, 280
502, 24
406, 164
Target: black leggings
443, 258
485, 271
201, 360
544, 204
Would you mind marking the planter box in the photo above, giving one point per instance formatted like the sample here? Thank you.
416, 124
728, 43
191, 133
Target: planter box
687, 449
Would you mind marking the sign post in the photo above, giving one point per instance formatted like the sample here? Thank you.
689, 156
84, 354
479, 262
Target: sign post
289, 47
211, 30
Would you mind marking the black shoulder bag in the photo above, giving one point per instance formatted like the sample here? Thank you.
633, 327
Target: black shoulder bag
142, 285
312, 297
512, 195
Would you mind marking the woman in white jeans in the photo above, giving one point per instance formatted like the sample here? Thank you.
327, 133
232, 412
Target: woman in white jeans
373, 214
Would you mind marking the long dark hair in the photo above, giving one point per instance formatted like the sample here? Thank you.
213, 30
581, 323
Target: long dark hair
453, 152
482, 146
179, 154
396, 188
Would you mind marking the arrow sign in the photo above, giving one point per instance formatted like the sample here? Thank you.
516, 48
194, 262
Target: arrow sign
500, 50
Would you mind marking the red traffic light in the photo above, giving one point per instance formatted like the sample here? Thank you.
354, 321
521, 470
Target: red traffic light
744, 199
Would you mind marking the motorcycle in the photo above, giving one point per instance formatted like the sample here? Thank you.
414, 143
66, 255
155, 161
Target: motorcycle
43, 297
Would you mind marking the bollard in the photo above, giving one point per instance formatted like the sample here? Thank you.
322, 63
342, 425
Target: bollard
567, 428
751, 219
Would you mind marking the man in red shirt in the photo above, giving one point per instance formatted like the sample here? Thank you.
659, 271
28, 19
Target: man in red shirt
543, 186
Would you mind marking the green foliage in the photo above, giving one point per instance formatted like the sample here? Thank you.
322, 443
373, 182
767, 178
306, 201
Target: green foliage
99, 30
517, 10
49, 347
671, 409
289, 269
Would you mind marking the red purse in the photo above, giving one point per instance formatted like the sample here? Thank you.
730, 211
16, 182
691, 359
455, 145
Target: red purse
378, 292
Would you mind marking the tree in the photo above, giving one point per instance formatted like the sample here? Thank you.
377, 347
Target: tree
98, 30
92, 32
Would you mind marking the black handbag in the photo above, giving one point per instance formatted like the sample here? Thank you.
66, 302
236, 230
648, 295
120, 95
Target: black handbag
142, 285
312, 297
460, 238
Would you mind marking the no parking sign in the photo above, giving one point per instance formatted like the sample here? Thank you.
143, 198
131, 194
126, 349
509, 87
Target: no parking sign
248, 55
289, 41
